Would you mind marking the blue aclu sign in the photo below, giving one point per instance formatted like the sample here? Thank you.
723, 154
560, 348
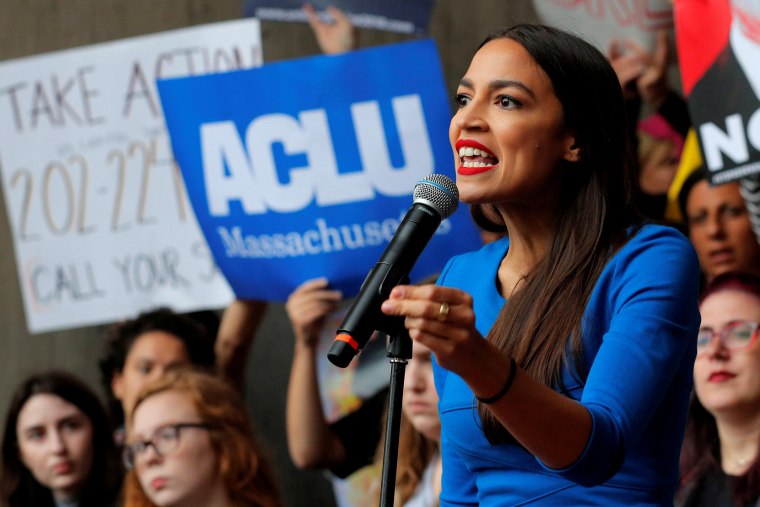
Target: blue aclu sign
305, 168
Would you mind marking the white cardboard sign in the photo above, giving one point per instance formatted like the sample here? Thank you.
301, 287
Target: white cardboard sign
101, 224
603, 22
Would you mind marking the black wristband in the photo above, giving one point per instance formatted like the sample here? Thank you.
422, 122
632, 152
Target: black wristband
496, 397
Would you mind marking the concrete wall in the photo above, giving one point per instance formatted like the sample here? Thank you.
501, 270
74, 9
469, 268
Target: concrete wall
29, 27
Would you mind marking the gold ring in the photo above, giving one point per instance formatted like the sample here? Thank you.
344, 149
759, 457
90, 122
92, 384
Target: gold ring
443, 312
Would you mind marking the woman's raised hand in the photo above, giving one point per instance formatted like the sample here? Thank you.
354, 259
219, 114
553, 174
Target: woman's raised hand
441, 318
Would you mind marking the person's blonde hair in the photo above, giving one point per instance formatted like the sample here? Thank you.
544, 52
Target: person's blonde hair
246, 473
415, 451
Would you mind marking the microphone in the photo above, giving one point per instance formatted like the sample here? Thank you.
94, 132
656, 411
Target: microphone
436, 198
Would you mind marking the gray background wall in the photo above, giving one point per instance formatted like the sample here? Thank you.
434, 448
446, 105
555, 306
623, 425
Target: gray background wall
29, 27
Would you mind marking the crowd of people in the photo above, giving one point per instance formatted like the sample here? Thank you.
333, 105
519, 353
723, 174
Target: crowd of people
590, 353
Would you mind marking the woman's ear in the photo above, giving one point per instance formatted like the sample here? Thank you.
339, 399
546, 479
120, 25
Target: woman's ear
117, 385
572, 151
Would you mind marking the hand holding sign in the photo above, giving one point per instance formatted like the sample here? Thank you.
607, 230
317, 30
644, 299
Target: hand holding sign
333, 37
642, 73
303, 169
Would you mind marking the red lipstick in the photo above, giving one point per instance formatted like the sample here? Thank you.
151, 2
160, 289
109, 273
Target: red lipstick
469, 171
469, 143
720, 376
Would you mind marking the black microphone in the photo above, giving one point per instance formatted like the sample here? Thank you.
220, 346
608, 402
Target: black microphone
435, 198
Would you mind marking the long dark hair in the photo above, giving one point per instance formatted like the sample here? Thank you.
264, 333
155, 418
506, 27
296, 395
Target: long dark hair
700, 454
595, 212
18, 487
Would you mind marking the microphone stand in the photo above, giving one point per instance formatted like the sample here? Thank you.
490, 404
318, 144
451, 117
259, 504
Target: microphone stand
399, 351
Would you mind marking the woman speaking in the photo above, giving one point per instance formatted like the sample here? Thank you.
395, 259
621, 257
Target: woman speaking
578, 394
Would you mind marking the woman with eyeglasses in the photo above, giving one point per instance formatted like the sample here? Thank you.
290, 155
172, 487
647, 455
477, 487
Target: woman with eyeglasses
190, 443
720, 461
57, 449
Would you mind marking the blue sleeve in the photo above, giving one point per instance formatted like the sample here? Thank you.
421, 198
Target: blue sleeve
647, 351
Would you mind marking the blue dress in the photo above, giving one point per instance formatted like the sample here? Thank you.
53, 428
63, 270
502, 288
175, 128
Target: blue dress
639, 338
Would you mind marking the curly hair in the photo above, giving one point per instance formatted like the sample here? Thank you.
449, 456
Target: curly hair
194, 335
245, 470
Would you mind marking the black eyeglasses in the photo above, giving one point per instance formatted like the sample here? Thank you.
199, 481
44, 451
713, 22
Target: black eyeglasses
164, 441
737, 335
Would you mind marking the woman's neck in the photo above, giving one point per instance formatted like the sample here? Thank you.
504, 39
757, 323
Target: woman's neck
739, 441
67, 496
437, 472
215, 497
530, 237
68, 501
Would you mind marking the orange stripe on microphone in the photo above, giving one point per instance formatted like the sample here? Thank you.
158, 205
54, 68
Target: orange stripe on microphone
347, 338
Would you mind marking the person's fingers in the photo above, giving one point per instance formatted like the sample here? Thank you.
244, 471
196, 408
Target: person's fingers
430, 303
632, 48
661, 56
404, 307
615, 50
337, 36
317, 287
305, 292
421, 313
328, 298
628, 68
313, 284
311, 16
338, 15
652, 85
308, 319
296, 297
315, 309
426, 329
297, 302
432, 293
